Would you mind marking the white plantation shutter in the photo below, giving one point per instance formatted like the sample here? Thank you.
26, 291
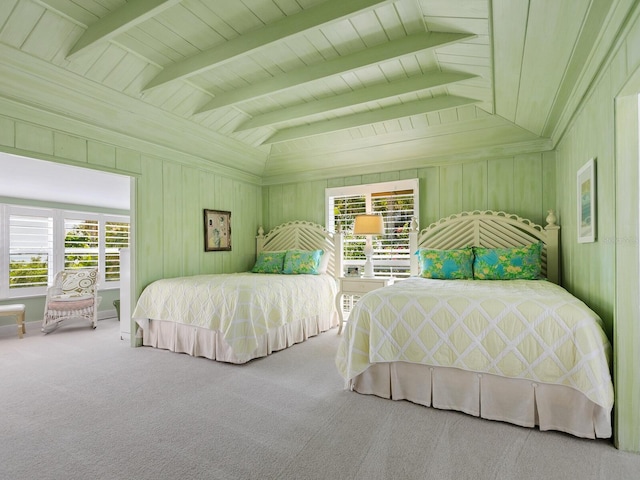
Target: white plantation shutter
81, 244
345, 209
116, 237
392, 249
396, 202
30, 251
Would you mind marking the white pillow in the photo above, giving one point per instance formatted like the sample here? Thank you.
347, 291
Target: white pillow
324, 262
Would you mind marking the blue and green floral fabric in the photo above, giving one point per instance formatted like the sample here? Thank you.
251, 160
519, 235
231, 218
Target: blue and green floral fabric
522, 263
269, 262
446, 264
302, 261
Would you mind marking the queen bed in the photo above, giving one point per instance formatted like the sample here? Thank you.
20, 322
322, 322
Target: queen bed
484, 330
287, 297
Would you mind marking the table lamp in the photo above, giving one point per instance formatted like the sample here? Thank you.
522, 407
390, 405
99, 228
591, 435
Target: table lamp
368, 225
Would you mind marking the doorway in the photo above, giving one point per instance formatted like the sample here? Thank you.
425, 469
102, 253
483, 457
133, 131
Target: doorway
74, 197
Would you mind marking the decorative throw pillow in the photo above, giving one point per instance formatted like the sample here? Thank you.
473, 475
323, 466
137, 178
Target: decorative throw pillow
269, 262
302, 261
324, 262
515, 263
446, 264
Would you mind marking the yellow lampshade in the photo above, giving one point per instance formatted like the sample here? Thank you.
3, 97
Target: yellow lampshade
368, 225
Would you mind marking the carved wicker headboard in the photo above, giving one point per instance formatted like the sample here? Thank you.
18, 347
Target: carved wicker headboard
492, 230
300, 235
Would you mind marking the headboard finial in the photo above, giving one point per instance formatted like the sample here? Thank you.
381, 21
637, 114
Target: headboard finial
413, 226
551, 220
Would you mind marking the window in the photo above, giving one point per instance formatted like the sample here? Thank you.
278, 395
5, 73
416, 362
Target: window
397, 202
81, 243
39, 242
116, 237
30, 251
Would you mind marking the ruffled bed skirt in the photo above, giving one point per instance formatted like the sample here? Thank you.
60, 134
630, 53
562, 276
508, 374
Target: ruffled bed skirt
202, 342
518, 401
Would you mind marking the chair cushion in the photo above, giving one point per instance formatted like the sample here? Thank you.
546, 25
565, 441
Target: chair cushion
12, 309
66, 297
70, 304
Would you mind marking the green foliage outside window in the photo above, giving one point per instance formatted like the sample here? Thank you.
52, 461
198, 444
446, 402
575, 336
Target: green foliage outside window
31, 273
81, 246
116, 237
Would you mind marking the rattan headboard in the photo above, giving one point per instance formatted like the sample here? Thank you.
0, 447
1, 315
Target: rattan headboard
493, 230
300, 235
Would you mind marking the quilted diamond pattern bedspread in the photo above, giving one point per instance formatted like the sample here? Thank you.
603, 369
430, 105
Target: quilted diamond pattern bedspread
242, 306
529, 329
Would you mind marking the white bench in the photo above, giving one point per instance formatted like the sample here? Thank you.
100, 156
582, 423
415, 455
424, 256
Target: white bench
16, 310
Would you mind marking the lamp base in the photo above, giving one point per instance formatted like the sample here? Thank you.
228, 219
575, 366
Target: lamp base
368, 268
368, 253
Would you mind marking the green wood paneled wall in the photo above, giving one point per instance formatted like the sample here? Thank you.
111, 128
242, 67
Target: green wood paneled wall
605, 274
171, 193
170, 200
523, 184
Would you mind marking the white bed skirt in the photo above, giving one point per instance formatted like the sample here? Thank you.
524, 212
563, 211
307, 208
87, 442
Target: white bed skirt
202, 342
518, 401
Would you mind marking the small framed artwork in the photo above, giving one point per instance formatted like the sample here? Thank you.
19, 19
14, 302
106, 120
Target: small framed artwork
217, 230
353, 271
587, 202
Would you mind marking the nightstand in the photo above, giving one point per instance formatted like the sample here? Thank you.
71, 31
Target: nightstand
357, 286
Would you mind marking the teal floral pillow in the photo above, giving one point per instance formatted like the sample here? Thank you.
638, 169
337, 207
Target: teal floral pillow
517, 263
302, 261
446, 264
269, 262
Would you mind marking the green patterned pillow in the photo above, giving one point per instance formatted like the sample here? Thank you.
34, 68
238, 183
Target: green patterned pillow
269, 262
302, 261
515, 263
446, 264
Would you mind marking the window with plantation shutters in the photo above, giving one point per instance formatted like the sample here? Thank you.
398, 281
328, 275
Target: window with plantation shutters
81, 244
30, 251
39, 242
116, 237
397, 202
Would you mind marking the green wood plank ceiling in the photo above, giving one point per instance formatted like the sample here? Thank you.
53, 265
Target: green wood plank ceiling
306, 89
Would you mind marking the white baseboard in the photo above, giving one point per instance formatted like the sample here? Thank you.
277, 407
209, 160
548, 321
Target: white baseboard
104, 314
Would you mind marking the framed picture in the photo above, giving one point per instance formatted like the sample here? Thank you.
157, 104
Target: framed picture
587, 202
353, 271
217, 230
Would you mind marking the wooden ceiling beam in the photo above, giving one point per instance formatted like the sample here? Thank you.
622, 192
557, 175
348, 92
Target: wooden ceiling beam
373, 93
128, 16
418, 107
325, 13
369, 56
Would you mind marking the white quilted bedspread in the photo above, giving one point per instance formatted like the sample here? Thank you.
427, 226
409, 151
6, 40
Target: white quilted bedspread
242, 306
518, 328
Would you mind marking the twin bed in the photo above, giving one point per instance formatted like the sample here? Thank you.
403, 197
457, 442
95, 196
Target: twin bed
516, 348
241, 316
520, 350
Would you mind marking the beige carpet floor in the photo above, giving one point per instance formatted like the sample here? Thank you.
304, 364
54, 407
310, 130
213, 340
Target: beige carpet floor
81, 404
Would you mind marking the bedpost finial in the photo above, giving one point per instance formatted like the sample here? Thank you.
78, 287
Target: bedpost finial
551, 219
260, 231
414, 224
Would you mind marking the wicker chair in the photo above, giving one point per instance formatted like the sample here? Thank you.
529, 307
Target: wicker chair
73, 295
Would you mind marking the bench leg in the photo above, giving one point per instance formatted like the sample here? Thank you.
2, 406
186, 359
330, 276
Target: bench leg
21, 326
